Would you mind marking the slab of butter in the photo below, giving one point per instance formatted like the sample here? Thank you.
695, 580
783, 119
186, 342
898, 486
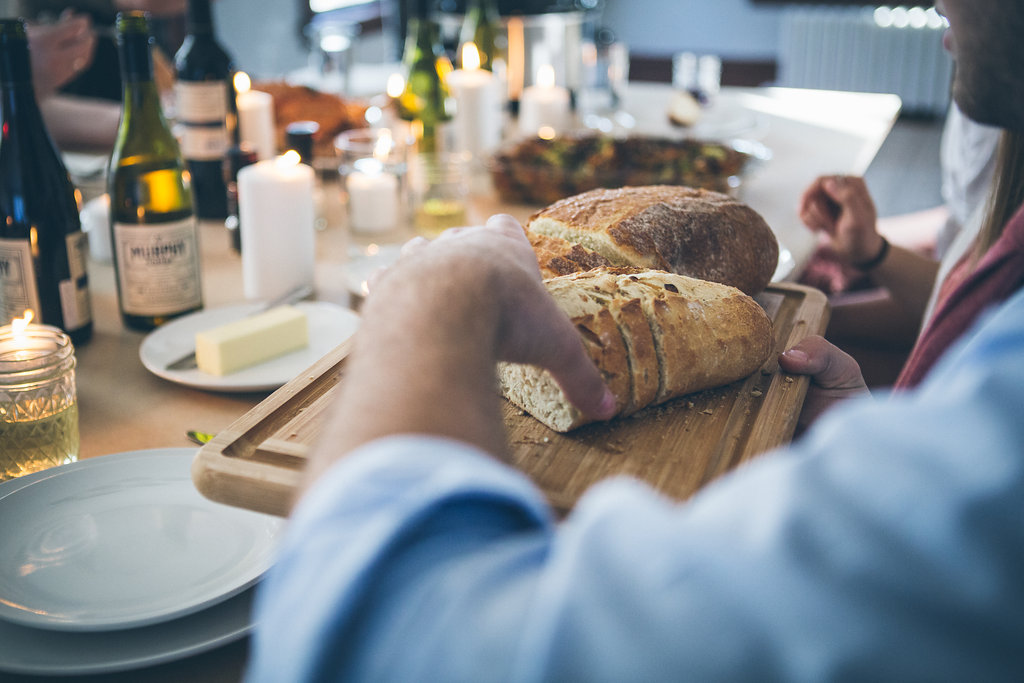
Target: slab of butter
243, 343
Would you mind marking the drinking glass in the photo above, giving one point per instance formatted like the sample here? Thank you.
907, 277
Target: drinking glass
605, 80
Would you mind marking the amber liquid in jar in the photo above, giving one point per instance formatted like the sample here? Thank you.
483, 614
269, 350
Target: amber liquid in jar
38, 405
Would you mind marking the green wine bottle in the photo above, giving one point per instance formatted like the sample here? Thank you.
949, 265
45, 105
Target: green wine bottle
42, 246
204, 95
426, 101
154, 231
482, 27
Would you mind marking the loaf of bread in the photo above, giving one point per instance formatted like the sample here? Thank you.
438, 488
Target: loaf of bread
653, 335
702, 234
557, 256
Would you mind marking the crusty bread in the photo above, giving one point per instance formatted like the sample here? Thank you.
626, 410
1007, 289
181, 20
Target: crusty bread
601, 288
702, 234
603, 342
557, 256
677, 335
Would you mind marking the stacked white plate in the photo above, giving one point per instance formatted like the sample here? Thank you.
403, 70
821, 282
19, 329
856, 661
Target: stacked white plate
117, 562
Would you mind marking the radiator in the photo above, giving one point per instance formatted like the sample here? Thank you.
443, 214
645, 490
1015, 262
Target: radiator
868, 49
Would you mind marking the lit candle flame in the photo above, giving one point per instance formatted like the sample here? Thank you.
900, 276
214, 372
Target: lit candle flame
289, 159
18, 325
395, 85
470, 57
546, 76
382, 148
242, 82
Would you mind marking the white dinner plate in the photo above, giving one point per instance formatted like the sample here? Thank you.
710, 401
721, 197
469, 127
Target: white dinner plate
123, 541
25, 650
329, 325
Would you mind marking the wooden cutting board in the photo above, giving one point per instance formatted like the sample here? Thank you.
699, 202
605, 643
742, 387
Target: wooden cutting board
677, 447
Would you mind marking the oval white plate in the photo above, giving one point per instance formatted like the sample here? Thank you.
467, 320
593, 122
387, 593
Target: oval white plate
122, 541
329, 325
27, 650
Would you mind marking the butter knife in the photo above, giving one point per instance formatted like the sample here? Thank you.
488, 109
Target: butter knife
188, 361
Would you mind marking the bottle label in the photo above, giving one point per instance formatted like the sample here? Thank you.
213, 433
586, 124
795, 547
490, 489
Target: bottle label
202, 110
74, 292
158, 267
17, 280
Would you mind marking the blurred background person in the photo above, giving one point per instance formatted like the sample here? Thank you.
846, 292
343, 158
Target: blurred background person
878, 312
75, 66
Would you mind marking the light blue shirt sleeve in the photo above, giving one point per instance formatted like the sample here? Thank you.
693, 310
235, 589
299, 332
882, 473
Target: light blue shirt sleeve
888, 545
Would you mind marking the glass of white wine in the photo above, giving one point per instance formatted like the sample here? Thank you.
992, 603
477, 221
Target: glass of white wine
38, 405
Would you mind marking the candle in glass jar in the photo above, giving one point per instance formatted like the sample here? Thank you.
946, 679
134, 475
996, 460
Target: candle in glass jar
38, 406
544, 104
255, 117
477, 105
276, 217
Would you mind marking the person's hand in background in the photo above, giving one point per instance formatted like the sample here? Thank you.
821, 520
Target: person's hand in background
60, 51
841, 207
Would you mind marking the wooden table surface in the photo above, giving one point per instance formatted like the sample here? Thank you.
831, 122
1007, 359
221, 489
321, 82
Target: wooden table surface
123, 407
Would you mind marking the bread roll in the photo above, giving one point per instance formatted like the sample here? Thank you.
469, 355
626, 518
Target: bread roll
677, 335
702, 234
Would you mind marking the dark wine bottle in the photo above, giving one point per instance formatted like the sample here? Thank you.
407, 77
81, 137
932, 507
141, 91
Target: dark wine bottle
154, 230
204, 97
426, 100
42, 246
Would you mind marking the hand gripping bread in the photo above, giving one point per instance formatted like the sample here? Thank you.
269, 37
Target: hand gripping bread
678, 335
702, 234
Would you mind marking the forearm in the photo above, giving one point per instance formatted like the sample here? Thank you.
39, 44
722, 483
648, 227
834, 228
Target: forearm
909, 277
873, 318
76, 122
423, 363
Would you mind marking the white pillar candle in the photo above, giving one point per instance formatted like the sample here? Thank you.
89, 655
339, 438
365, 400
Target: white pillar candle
276, 218
477, 105
373, 197
255, 118
544, 104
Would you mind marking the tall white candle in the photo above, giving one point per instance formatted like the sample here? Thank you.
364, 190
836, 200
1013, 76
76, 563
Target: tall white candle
373, 197
276, 218
477, 95
544, 104
255, 117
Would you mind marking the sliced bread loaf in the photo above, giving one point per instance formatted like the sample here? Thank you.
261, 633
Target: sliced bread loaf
702, 335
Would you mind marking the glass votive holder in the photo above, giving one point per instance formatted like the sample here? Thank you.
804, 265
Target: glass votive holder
699, 75
440, 186
38, 405
373, 170
330, 57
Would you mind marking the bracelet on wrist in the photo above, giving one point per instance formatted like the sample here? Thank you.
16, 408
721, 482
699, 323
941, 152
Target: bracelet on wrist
876, 261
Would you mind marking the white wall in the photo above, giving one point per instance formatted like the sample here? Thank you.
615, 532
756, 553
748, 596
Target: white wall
731, 28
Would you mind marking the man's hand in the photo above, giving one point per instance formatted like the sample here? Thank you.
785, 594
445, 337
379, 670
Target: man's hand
841, 207
434, 326
530, 328
60, 51
835, 375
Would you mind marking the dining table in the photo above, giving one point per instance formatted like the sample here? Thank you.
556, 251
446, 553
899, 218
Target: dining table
125, 407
